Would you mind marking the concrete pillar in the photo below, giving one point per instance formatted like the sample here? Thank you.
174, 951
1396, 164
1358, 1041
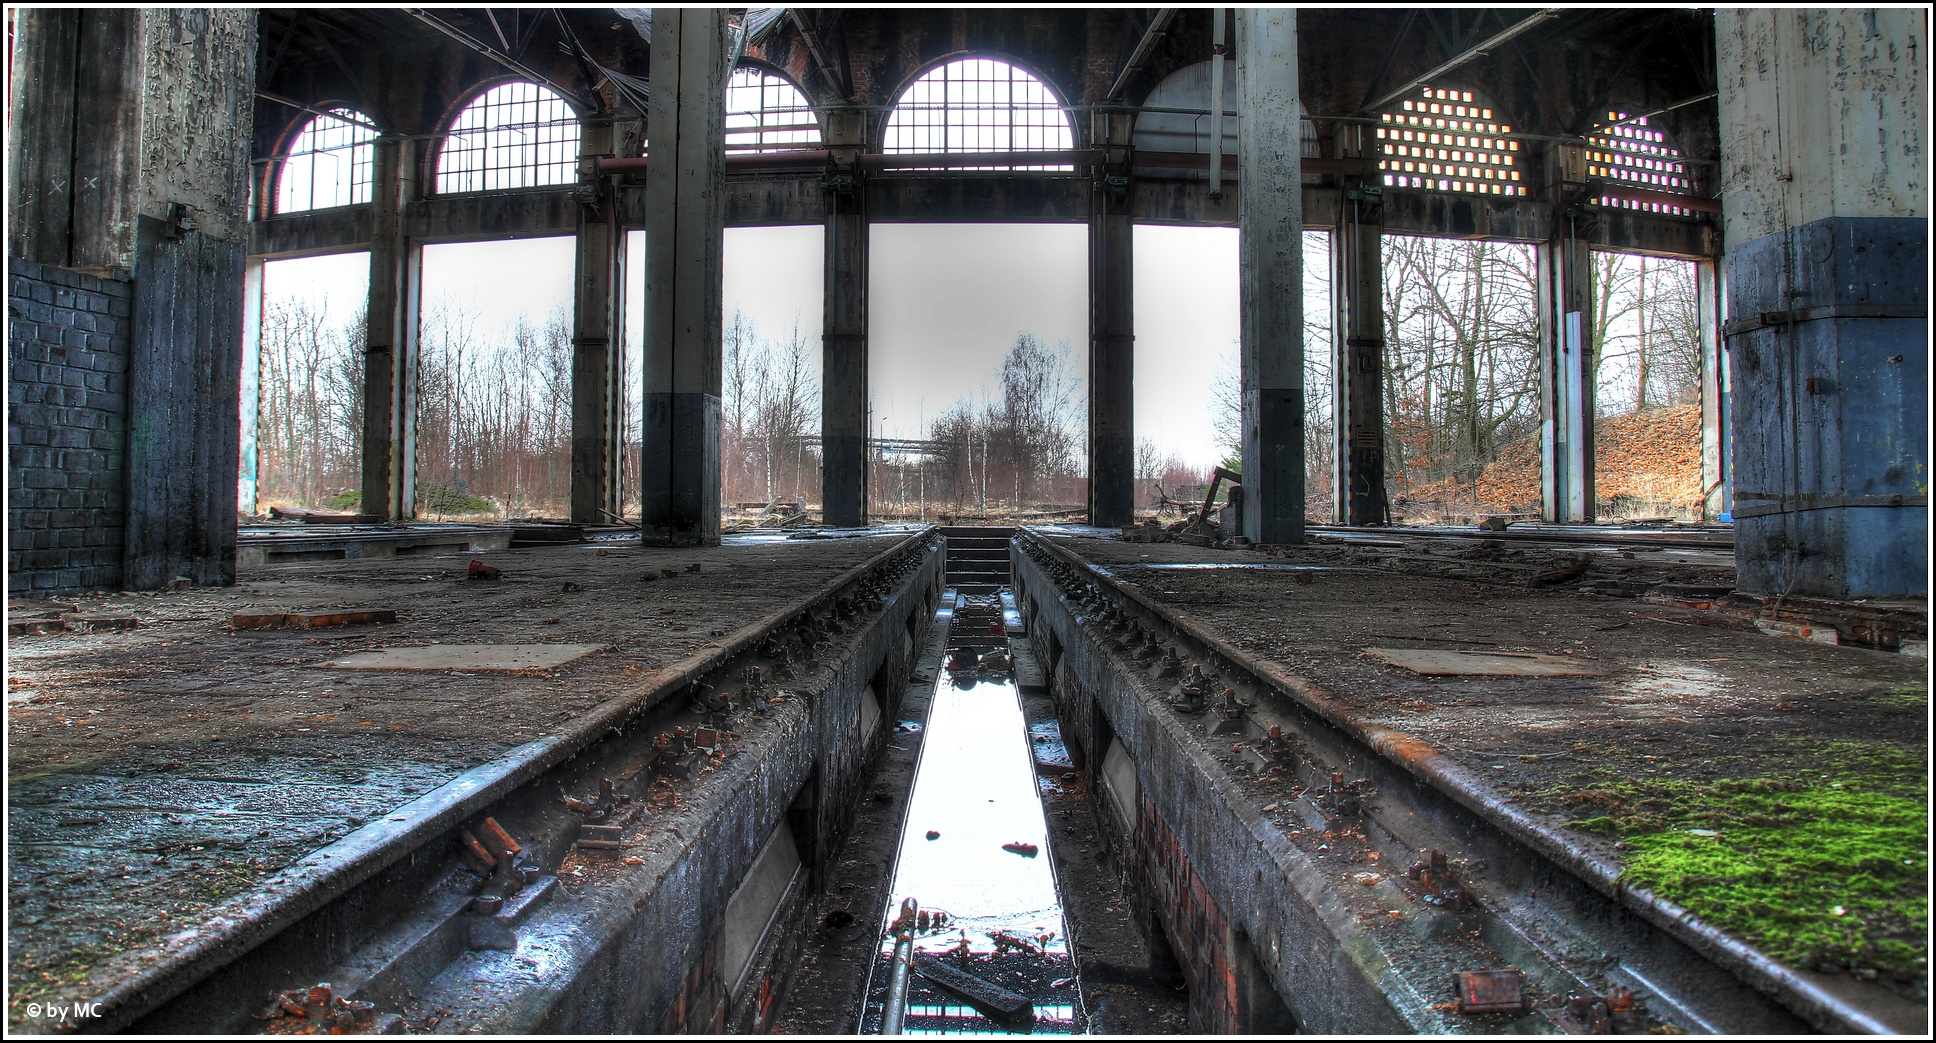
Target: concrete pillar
1566, 391
684, 245
389, 355
74, 171
1112, 340
1270, 222
843, 341
596, 392
196, 104
1358, 367
1824, 194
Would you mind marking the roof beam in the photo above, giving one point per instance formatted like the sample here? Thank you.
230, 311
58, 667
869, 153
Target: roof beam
498, 56
819, 55
1156, 31
1479, 50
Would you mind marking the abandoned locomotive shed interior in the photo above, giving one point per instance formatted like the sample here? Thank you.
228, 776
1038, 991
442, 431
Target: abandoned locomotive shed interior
907, 521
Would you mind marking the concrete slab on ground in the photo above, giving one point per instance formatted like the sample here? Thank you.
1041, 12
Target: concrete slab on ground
465, 657
1439, 662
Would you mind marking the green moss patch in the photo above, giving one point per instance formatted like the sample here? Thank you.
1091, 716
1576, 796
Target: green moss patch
1811, 877
1826, 866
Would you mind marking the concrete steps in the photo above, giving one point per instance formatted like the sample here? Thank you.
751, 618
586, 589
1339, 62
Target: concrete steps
977, 560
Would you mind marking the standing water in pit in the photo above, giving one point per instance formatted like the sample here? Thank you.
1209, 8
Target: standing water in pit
991, 949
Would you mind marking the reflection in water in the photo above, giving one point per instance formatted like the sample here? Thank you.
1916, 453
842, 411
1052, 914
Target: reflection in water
974, 852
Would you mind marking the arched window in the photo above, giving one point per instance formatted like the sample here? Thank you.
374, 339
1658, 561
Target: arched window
766, 113
515, 135
330, 163
1443, 139
1626, 149
978, 105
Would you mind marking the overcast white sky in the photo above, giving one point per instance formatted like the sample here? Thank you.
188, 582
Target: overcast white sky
946, 303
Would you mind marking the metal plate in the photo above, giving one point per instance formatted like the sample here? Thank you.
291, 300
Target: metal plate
1438, 662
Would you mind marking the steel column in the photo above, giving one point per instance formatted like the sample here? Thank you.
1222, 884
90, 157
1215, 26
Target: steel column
843, 384
596, 390
1112, 339
1566, 326
1270, 221
389, 346
1717, 492
1358, 361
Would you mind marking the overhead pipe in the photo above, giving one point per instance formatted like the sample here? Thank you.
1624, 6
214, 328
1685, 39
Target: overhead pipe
920, 160
787, 159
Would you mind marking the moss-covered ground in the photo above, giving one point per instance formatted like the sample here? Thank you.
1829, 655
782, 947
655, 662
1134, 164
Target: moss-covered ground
1819, 858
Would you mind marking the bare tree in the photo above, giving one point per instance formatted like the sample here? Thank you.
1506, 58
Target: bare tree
310, 414
1461, 357
786, 395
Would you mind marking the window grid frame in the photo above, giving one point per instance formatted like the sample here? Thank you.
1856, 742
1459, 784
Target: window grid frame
306, 153
972, 105
773, 124
475, 155
1626, 149
1445, 140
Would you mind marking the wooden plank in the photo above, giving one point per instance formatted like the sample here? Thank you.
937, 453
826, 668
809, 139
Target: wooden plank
986, 996
311, 620
183, 395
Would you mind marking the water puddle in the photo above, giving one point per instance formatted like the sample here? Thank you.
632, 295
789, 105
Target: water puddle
975, 850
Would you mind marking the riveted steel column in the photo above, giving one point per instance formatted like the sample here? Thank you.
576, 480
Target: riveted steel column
1270, 221
595, 388
843, 394
1112, 340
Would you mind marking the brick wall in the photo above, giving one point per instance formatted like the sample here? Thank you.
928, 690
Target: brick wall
67, 410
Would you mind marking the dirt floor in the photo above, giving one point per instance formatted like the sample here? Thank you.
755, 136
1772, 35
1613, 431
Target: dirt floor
157, 775
1774, 786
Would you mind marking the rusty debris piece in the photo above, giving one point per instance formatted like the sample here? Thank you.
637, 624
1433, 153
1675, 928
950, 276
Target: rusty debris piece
479, 570
317, 1010
1490, 992
984, 995
1584, 1016
311, 620
314, 517
1561, 575
1432, 882
1020, 848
